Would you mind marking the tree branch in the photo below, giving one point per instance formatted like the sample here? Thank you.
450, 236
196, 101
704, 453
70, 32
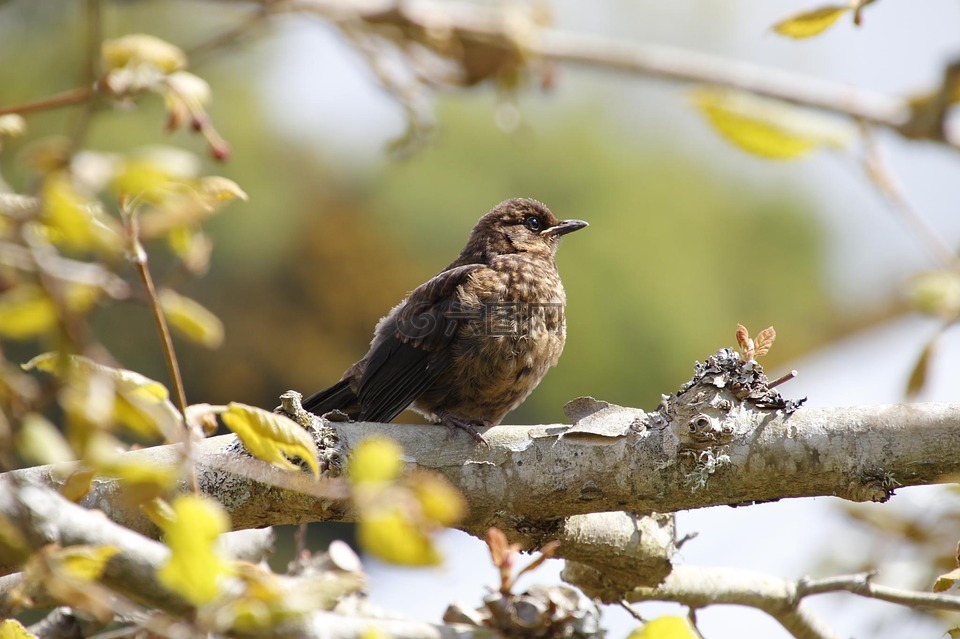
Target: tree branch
538, 475
41, 516
701, 586
863, 586
474, 30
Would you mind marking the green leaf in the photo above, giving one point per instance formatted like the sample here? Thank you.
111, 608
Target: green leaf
810, 23
768, 128
271, 437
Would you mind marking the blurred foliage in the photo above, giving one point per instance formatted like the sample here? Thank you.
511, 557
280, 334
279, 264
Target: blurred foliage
677, 254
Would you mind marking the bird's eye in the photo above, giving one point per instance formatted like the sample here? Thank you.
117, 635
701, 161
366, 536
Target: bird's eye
532, 223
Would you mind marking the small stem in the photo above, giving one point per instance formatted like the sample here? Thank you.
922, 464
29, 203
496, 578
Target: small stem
878, 172
139, 258
66, 98
783, 378
91, 72
300, 541
632, 611
231, 36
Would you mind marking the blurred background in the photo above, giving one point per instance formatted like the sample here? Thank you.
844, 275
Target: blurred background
689, 236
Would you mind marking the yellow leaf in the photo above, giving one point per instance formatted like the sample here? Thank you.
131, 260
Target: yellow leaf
12, 125
13, 546
127, 381
80, 298
154, 174
918, 376
665, 628
221, 189
82, 563
947, 580
139, 49
765, 340
937, 293
376, 459
102, 454
810, 23
13, 629
768, 128
74, 220
194, 569
40, 442
160, 512
439, 501
392, 537
193, 91
191, 319
271, 437
138, 403
77, 485
192, 246
26, 312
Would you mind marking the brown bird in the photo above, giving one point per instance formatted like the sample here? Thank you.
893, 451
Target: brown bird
468, 346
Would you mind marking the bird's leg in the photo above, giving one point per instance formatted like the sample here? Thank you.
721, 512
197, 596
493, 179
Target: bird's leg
468, 425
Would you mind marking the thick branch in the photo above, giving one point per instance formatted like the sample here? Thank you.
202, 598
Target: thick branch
544, 473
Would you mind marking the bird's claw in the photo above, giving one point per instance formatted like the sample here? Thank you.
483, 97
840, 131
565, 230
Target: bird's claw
467, 425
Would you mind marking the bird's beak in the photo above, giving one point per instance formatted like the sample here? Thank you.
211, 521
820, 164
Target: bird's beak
566, 226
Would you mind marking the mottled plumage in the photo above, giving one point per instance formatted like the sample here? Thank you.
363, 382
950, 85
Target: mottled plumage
468, 346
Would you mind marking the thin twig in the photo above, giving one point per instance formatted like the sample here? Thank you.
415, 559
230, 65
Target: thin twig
632, 611
70, 97
862, 585
786, 377
139, 258
300, 541
232, 35
876, 169
91, 72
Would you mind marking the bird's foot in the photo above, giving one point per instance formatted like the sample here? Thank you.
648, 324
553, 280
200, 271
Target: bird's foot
468, 425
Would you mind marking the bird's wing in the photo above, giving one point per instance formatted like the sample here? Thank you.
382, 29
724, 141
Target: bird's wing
411, 351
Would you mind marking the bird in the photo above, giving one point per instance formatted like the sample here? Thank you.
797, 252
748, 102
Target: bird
469, 345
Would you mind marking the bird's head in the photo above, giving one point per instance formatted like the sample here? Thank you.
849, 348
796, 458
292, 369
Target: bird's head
519, 225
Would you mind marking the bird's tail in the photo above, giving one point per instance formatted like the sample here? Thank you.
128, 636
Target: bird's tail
338, 397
